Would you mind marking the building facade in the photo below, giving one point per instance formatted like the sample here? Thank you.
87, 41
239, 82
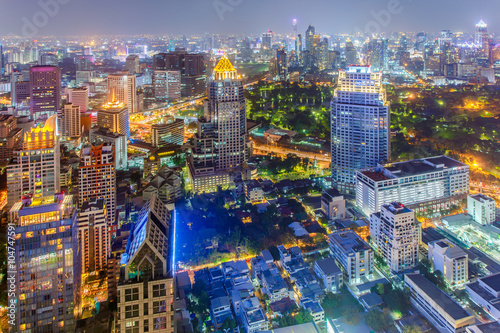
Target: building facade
451, 260
481, 208
115, 117
45, 91
99, 135
167, 85
10, 137
69, 122
123, 87
79, 97
170, 130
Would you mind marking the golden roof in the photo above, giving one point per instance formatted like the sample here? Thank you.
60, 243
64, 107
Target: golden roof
224, 65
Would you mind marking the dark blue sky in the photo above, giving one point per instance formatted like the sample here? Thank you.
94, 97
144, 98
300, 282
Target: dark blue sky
242, 16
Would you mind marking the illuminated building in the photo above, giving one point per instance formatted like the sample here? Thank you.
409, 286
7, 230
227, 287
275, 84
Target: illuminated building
310, 33
433, 182
359, 125
145, 289
122, 87
100, 135
93, 235
323, 55
166, 85
298, 49
10, 137
115, 117
170, 130
168, 155
47, 264
482, 38
132, 64
69, 120
45, 91
396, 235
481, 208
267, 40
166, 184
98, 177
80, 97
221, 141
281, 65
450, 260
35, 165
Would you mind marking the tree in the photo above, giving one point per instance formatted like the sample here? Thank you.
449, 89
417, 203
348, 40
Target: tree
329, 303
397, 300
412, 329
228, 323
376, 319
351, 315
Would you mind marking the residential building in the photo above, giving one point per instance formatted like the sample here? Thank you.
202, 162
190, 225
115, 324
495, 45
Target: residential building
254, 191
353, 254
396, 235
360, 119
99, 135
45, 91
255, 321
333, 205
97, 177
441, 310
69, 122
166, 184
93, 236
123, 87
10, 137
481, 208
79, 97
115, 117
317, 312
35, 165
169, 131
47, 264
485, 292
330, 274
451, 260
145, 289
427, 183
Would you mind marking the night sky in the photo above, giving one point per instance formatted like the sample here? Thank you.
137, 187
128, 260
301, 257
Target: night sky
106, 17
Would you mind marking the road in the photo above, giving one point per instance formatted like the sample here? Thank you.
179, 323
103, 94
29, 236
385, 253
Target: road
264, 150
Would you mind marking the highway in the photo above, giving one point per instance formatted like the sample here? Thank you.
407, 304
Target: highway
264, 150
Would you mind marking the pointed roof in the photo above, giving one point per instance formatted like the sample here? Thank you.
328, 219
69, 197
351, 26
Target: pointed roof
224, 65
481, 24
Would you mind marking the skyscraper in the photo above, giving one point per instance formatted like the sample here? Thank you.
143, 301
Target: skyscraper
482, 38
220, 144
10, 137
45, 91
169, 131
298, 49
166, 85
132, 64
267, 40
122, 87
115, 117
360, 125
97, 177
310, 32
79, 97
47, 264
69, 122
35, 165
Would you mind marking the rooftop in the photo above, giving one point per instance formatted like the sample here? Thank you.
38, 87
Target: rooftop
328, 266
302, 328
492, 281
349, 241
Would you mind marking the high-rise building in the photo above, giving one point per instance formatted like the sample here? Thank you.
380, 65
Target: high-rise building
450, 260
93, 236
360, 125
396, 235
69, 122
80, 97
115, 117
21, 93
97, 177
294, 25
221, 142
170, 130
122, 87
48, 59
47, 264
351, 55
132, 64
481, 208
167, 85
45, 91
482, 38
145, 289
10, 137
434, 182
267, 40
99, 135
35, 165
323, 55
310, 33
281, 65
298, 49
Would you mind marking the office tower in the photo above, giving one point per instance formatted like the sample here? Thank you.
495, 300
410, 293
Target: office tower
167, 184
132, 64
433, 182
83, 63
294, 25
115, 117
35, 165
122, 87
145, 288
220, 144
97, 177
396, 235
93, 236
281, 65
99, 135
69, 122
352, 254
167, 85
298, 49
14, 79
323, 55
360, 125
47, 264
310, 32
22, 92
481, 208
10, 137
2, 62
170, 130
482, 38
45, 91
48, 59
79, 97
450, 260
351, 56
267, 40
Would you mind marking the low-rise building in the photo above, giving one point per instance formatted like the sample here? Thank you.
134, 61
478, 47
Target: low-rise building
255, 321
481, 208
254, 191
451, 260
316, 311
329, 273
333, 204
485, 292
439, 308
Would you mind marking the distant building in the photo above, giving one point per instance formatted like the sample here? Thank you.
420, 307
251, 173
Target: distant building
10, 137
396, 234
45, 91
70, 123
132, 64
333, 205
433, 182
330, 274
481, 208
485, 292
436, 306
353, 254
451, 260
122, 87
79, 97
167, 85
